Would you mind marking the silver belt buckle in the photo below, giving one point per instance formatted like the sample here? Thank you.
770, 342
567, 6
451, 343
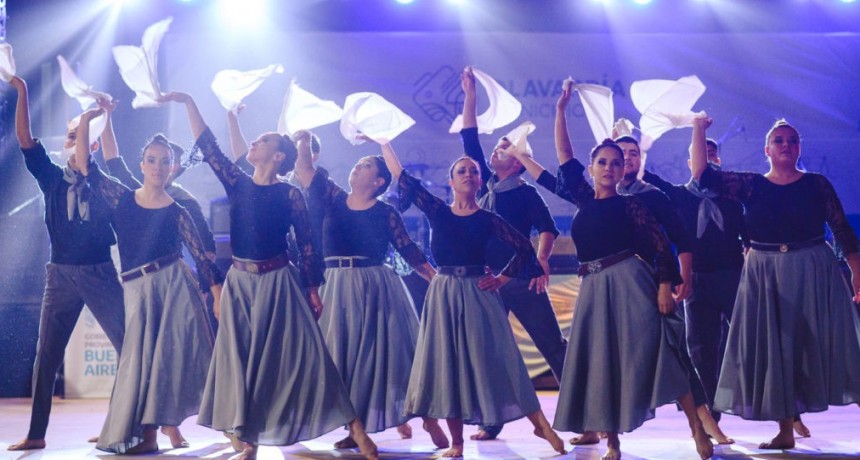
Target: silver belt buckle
594, 267
252, 267
783, 248
460, 271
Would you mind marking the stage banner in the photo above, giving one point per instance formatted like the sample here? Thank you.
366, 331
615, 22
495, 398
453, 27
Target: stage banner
562, 291
751, 80
91, 360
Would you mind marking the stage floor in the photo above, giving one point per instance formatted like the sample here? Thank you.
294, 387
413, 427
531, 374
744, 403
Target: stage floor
835, 435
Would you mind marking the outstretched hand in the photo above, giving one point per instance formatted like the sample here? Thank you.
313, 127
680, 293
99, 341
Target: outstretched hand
108, 105
175, 96
89, 114
467, 80
702, 122
566, 93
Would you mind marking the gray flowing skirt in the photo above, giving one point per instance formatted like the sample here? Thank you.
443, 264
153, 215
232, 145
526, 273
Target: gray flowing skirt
467, 364
370, 327
271, 380
621, 363
166, 353
794, 340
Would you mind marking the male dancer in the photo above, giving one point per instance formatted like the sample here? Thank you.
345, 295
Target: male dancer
80, 270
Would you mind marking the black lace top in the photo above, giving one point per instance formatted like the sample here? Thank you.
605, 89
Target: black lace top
608, 226
347, 232
462, 240
261, 215
785, 213
119, 170
145, 235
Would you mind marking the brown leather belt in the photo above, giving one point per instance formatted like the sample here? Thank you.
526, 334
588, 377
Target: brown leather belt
463, 271
596, 266
149, 268
259, 267
786, 247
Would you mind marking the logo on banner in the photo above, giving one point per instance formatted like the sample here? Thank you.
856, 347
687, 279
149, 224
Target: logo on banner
438, 94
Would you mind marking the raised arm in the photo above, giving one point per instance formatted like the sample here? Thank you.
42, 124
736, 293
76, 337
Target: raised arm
198, 124
563, 147
116, 165
22, 114
304, 169
238, 143
391, 161
469, 132
698, 146
82, 140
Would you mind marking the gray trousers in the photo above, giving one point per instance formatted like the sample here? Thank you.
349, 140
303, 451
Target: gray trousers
708, 312
67, 289
534, 311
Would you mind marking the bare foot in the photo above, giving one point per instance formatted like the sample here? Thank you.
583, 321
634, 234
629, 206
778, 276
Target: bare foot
365, 444
780, 442
712, 428
431, 426
28, 444
613, 448
589, 437
704, 447
176, 439
482, 435
345, 443
237, 444
248, 453
546, 432
801, 429
93, 439
456, 450
405, 431
145, 447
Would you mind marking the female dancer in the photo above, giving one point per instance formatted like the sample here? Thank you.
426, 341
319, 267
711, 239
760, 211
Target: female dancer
794, 340
272, 380
168, 339
467, 367
369, 323
619, 365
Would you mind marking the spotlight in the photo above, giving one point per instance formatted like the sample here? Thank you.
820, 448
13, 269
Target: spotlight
404, 2
641, 2
242, 13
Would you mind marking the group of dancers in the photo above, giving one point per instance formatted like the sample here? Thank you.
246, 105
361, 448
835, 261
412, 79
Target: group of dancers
331, 338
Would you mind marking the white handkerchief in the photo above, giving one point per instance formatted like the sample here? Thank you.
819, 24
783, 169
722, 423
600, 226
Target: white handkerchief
76, 88
97, 126
599, 109
518, 138
665, 104
138, 65
504, 108
303, 110
370, 114
233, 86
623, 127
7, 62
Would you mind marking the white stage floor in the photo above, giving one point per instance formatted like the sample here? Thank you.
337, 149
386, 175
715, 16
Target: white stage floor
835, 435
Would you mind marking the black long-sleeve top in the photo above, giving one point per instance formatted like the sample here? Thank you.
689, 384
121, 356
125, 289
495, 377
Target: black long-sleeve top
367, 232
462, 240
261, 215
788, 213
522, 207
716, 249
608, 226
656, 201
75, 241
147, 234
119, 169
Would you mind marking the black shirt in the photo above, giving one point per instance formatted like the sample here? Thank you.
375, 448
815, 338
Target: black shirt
75, 241
462, 240
716, 249
521, 207
788, 213
261, 215
367, 232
